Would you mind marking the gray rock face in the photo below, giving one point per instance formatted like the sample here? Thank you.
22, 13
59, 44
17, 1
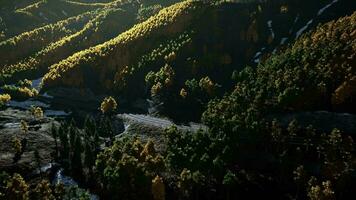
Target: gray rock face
38, 138
76, 99
148, 127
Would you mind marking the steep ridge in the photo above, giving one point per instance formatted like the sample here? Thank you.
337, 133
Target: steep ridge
107, 24
110, 57
40, 13
317, 72
25, 44
259, 25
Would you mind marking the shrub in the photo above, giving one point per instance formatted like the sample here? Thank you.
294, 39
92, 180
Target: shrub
4, 98
17, 188
20, 93
108, 105
37, 112
44, 191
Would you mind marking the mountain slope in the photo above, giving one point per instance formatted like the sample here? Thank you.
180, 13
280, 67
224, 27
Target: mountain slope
317, 72
25, 44
39, 13
114, 53
107, 23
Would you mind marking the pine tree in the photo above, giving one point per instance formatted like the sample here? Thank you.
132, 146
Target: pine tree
76, 161
89, 159
89, 126
17, 188
43, 191
63, 137
17, 145
37, 159
96, 141
54, 132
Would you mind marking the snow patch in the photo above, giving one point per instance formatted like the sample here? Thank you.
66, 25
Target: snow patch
283, 40
57, 113
294, 23
37, 83
12, 125
269, 23
321, 11
304, 28
326, 7
256, 58
257, 54
67, 181
46, 95
27, 104
42, 15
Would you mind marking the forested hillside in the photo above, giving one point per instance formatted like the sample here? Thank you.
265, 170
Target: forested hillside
177, 99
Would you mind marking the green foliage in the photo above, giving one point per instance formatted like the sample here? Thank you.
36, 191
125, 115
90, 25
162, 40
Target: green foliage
19, 93
158, 189
293, 80
145, 12
101, 27
299, 78
160, 81
163, 20
27, 43
128, 167
75, 193
189, 181
43, 191
17, 188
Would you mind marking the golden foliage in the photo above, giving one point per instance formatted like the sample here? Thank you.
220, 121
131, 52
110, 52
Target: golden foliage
43, 190
183, 93
16, 142
345, 91
207, 85
108, 105
24, 126
284, 9
149, 149
27, 43
37, 112
91, 34
170, 57
252, 34
19, 92
17, 188
156, 88
158, 188
169, 21
4, 98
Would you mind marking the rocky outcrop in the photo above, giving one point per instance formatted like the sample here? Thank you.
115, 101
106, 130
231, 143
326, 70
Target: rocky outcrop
147, 127
38, 138
75, 99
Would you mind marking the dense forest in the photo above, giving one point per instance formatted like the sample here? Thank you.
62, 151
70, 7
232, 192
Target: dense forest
177, 99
